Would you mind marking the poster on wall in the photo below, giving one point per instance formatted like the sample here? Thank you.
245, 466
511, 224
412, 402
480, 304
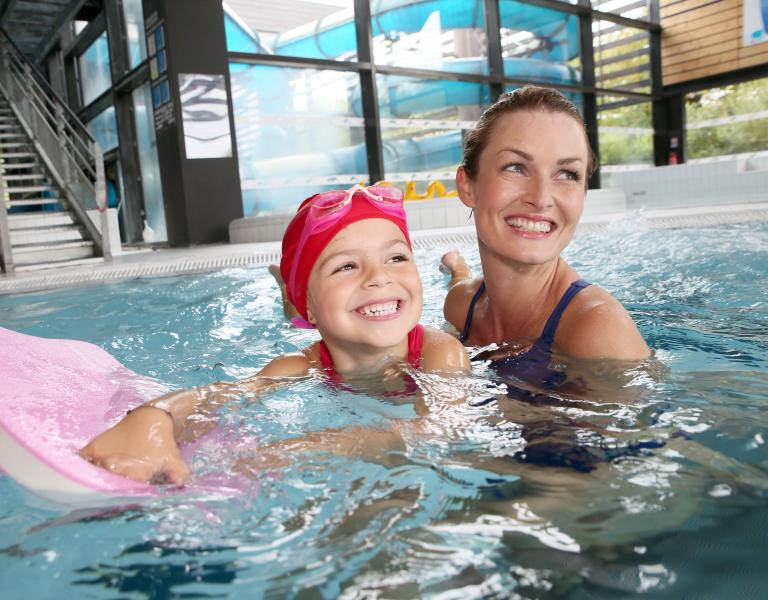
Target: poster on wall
755, 22
205, 116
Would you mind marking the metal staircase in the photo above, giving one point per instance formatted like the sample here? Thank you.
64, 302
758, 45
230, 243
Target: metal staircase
42, 231
52, 187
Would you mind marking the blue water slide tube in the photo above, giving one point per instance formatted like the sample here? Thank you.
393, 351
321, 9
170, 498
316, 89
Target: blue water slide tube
422, 153
404, 97
331, 36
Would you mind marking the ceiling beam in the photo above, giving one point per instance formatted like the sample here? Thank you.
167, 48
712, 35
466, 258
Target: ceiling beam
6, 9
65, 16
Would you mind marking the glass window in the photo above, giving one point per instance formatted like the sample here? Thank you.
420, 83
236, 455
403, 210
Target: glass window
317, 29
631, 9
625, 131
622, 57
727, 120
149, 163
440, 35
134, 29
103, 127
93, 70
539, 44
299, 131
422, 126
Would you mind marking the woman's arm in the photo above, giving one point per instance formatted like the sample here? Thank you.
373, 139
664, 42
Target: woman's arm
143, 446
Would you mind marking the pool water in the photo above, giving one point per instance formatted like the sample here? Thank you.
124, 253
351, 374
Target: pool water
652, 480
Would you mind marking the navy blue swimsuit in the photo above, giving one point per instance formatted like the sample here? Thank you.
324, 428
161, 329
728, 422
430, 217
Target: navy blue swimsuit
550, 442
532, 365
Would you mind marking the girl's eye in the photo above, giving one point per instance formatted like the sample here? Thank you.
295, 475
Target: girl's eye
570, 175
348, 266
398, 258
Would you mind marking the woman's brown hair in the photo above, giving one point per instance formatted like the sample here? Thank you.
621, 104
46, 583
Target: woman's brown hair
529, 97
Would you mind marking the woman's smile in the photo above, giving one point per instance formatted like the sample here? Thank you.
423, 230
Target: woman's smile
531, 226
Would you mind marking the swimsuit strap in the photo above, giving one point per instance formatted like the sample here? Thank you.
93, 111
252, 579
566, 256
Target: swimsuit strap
415, 343
325, 356
470, 312
548, 335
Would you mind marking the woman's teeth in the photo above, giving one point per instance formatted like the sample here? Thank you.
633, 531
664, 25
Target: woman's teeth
378, 310
528, 225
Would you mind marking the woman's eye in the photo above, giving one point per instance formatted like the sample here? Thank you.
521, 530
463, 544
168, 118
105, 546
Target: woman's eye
514, 168
570, 175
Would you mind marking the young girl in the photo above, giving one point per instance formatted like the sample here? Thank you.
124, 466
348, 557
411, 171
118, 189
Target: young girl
349, 271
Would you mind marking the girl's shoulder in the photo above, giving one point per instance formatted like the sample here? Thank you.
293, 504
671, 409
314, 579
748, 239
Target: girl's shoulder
294, 364
441, 351
596, 325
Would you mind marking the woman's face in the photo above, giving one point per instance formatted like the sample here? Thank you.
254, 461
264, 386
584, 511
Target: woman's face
528, 191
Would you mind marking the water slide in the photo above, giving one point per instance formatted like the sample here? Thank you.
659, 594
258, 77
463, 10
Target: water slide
399, 97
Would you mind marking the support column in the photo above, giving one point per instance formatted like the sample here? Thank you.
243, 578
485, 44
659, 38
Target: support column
587, 51
194, 120
133, 194
669, 130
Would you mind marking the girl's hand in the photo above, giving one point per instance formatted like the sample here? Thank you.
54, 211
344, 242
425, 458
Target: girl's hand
141, 447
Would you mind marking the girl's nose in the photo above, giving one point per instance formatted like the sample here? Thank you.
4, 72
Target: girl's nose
377, 275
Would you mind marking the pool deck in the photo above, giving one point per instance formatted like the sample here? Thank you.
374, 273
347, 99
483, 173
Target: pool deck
131, 264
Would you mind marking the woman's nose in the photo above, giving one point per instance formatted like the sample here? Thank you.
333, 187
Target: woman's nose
539, 193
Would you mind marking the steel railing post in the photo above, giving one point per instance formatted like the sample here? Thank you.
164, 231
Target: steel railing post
6, 251
102, 202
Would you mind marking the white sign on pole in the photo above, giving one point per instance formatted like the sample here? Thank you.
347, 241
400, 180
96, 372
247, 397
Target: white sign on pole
755, 22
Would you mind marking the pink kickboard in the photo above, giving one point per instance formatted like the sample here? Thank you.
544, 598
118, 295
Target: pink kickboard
55, 396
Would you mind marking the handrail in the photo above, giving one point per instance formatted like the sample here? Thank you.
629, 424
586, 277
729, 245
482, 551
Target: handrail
49, 91
70, 153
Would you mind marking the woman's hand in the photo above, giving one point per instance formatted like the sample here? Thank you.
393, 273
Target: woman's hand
141, 447
453, 263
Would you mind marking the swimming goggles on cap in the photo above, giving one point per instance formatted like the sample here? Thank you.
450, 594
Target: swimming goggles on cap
328, 208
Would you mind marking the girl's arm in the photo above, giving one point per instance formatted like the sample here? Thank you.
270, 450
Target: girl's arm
441, 354
143, 446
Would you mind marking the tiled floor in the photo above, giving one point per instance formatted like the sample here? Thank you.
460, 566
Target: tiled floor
198, 259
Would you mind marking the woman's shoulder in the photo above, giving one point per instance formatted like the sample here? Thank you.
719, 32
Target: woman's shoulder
596, 325
458, 299
441, 351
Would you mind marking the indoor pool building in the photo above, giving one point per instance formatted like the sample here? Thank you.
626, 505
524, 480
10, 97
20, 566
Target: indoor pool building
202, 122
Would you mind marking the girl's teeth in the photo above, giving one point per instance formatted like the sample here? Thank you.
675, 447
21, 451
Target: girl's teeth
377, 310
528, 225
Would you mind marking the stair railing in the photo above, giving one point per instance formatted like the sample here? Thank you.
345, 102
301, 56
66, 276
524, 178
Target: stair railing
70, 153
6, 254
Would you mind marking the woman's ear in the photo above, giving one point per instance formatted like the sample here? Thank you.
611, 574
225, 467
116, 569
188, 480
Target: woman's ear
464, 187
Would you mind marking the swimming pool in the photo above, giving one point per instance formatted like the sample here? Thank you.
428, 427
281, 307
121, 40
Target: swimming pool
666, 493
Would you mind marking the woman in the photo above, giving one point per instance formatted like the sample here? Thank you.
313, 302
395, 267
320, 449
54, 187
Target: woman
524, 174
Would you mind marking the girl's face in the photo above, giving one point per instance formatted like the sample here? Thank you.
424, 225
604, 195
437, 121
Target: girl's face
528, 192
364, 291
